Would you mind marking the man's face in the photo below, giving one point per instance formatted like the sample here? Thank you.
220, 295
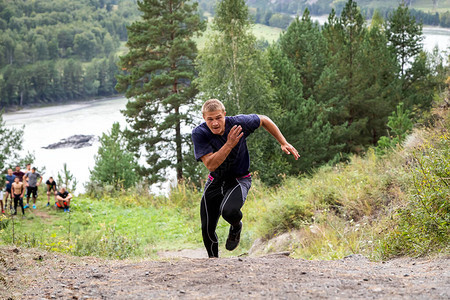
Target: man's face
10, 172
33, 170
17, 169
16, 180
50, 179
215, 120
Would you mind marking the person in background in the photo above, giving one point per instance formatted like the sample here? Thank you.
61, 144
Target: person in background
1, 199
18, 189
51, 189
63, 198
9, 181
25, 181
19, 173
32, 182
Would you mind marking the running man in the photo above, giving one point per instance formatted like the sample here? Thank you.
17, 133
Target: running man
18, 189
32, 185
63, 198
220, 143
9, 181
51, 189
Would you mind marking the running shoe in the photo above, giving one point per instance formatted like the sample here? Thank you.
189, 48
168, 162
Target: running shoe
26, 206
34, 206
65, 209
48, 204
234, 236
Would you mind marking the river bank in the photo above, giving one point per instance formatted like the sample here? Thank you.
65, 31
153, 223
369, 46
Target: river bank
16, 108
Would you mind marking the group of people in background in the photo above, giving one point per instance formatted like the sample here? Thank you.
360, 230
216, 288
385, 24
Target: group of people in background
20, 184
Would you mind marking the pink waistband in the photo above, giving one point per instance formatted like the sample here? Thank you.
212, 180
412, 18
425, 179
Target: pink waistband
245, 176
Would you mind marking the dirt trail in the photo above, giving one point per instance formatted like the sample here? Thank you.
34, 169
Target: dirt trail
36, 274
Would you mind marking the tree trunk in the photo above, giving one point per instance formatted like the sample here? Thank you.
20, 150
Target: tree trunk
179, 165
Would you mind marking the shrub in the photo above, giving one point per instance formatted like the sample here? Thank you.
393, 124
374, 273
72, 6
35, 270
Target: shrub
423, 224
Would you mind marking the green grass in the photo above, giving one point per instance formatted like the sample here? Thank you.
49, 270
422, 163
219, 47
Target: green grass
271, 34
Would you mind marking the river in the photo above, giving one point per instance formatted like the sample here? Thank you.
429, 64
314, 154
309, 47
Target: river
47, 125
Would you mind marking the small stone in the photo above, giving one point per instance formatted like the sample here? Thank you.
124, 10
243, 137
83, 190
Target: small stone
240, 259
147, 273
182, 292
406, 275
366, 279
303, 273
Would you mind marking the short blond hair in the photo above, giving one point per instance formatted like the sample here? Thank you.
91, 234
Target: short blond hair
212, 105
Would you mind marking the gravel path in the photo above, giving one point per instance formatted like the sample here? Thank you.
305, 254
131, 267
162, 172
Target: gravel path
36, 274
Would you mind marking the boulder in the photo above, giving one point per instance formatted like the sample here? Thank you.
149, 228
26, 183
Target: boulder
75, 141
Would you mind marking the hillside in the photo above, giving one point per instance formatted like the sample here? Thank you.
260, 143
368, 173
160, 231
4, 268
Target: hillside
362, 206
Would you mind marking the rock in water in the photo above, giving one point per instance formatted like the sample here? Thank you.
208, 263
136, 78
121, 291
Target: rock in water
75, 141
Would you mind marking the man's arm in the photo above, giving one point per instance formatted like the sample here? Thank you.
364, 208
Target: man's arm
213, 160
25, 179
40, 181
272, 128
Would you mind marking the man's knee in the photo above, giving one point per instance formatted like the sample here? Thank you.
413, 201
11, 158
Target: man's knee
232, 215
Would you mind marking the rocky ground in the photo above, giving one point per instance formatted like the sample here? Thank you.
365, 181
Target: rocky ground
36, 274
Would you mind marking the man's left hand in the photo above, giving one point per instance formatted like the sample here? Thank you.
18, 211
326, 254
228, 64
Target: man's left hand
289, 149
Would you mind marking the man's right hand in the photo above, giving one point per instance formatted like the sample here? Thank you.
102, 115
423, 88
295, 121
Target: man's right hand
234, 136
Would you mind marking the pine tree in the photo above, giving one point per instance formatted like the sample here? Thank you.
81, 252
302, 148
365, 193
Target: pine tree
304, 121
344, 39
231, 67
159, 82
12, 145
305, 46
114, 165
405, 36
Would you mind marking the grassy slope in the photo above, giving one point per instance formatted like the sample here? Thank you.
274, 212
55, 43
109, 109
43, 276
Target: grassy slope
271, 34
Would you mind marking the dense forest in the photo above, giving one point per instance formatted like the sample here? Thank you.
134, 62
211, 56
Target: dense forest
64, 50
53, 51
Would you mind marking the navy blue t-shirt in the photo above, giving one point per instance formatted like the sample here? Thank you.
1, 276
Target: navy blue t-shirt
237, 162
11, 180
